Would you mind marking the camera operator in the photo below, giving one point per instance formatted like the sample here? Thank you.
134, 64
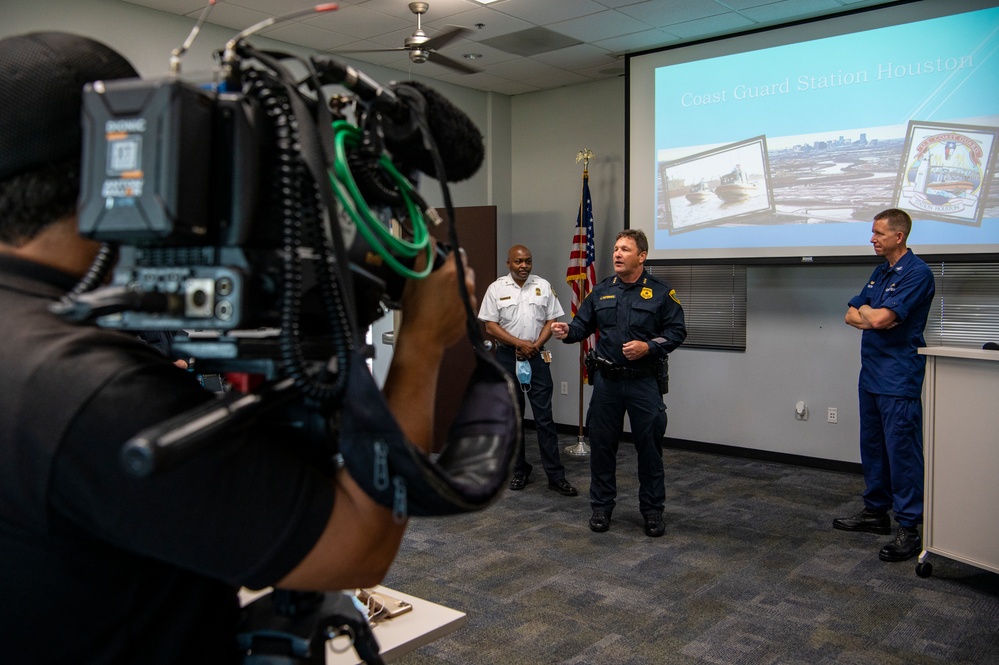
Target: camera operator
100, 566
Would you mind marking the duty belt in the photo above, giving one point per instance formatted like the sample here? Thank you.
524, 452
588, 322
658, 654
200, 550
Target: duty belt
617, 373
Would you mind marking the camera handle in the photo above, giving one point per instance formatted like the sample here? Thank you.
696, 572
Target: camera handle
290, 627
167, 443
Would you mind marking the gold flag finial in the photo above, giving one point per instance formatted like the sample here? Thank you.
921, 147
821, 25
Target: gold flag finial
584, 155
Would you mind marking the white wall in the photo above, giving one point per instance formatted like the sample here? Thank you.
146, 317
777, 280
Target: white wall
798, 346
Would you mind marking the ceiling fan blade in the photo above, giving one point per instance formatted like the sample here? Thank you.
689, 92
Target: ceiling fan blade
453, 64
446, 37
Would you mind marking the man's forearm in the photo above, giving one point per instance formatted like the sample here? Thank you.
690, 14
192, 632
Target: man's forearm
853, 318
545, 334
880, 318
411, 389
497, 331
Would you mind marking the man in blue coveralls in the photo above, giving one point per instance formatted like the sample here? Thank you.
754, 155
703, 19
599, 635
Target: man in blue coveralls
640, 320
891, 311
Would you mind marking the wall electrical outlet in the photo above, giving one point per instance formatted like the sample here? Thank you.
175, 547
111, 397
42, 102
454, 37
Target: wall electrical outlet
832, 416
565, 387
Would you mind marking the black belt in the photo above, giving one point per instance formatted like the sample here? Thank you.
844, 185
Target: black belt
618, 373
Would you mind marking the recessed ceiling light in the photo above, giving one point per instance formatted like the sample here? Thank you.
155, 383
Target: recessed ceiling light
485, 2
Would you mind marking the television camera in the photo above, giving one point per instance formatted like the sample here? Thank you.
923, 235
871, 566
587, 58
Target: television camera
253, 218
265, 223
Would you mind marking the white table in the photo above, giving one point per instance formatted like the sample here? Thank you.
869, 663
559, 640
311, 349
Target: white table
407, 632
397, 636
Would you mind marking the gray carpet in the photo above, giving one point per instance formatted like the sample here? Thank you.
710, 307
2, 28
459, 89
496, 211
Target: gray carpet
750, 571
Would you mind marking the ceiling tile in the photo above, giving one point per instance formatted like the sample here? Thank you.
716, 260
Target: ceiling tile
306, 35
661, 14
604, 71
557, 79
233, 16
710, 27
577, 57
542, 12
493, 23
638, 41
181, 7
601, 25
360, 22
778, 11
521, 69
614, 4
268, 6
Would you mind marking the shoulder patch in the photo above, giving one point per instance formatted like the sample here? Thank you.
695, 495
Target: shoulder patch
672, 294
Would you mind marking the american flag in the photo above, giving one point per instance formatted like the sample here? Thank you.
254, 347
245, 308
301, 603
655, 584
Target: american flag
581, 275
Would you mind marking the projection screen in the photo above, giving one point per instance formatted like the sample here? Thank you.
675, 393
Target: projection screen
781, 145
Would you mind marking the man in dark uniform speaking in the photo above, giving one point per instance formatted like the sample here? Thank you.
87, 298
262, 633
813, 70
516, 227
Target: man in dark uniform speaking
640, 321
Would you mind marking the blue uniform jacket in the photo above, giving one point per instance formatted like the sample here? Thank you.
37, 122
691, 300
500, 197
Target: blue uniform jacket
890, 361
646, 310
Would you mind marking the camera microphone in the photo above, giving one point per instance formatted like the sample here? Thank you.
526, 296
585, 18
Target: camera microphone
458, 140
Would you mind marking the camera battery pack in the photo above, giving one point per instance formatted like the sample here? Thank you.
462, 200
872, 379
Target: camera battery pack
147, 161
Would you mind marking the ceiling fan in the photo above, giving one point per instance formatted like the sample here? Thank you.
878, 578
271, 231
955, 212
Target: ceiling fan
422, 48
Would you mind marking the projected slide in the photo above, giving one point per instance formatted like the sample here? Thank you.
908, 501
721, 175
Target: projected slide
790, 150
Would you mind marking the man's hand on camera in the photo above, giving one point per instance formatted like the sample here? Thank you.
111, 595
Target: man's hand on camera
433, 318
432, 310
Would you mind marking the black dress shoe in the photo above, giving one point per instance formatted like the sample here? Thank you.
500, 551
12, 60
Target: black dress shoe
600, 521
906, 545
563, 487
865, 520
518, 482
654, 525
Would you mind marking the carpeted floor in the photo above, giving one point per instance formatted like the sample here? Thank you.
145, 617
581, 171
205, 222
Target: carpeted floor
750, 571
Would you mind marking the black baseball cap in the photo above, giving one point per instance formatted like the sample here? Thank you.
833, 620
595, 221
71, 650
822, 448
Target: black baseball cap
42, 75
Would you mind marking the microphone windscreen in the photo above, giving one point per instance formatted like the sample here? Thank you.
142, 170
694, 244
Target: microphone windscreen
458, 140
990, 346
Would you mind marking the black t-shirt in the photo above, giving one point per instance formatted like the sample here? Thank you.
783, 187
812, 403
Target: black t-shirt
101, 567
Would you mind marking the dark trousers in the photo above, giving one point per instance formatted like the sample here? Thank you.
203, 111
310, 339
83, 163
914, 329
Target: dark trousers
891, 454
641, 400
540, 395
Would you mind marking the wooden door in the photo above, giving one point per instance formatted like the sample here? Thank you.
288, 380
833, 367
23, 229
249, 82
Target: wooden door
476, 229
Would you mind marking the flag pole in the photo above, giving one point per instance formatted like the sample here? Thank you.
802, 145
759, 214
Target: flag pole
581, 448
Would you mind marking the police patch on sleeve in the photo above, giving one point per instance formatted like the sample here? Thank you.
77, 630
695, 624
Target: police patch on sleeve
672, 294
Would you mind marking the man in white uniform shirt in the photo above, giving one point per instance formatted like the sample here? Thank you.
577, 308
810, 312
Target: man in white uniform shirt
518, 310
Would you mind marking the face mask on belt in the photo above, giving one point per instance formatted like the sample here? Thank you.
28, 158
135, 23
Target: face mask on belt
524, 372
